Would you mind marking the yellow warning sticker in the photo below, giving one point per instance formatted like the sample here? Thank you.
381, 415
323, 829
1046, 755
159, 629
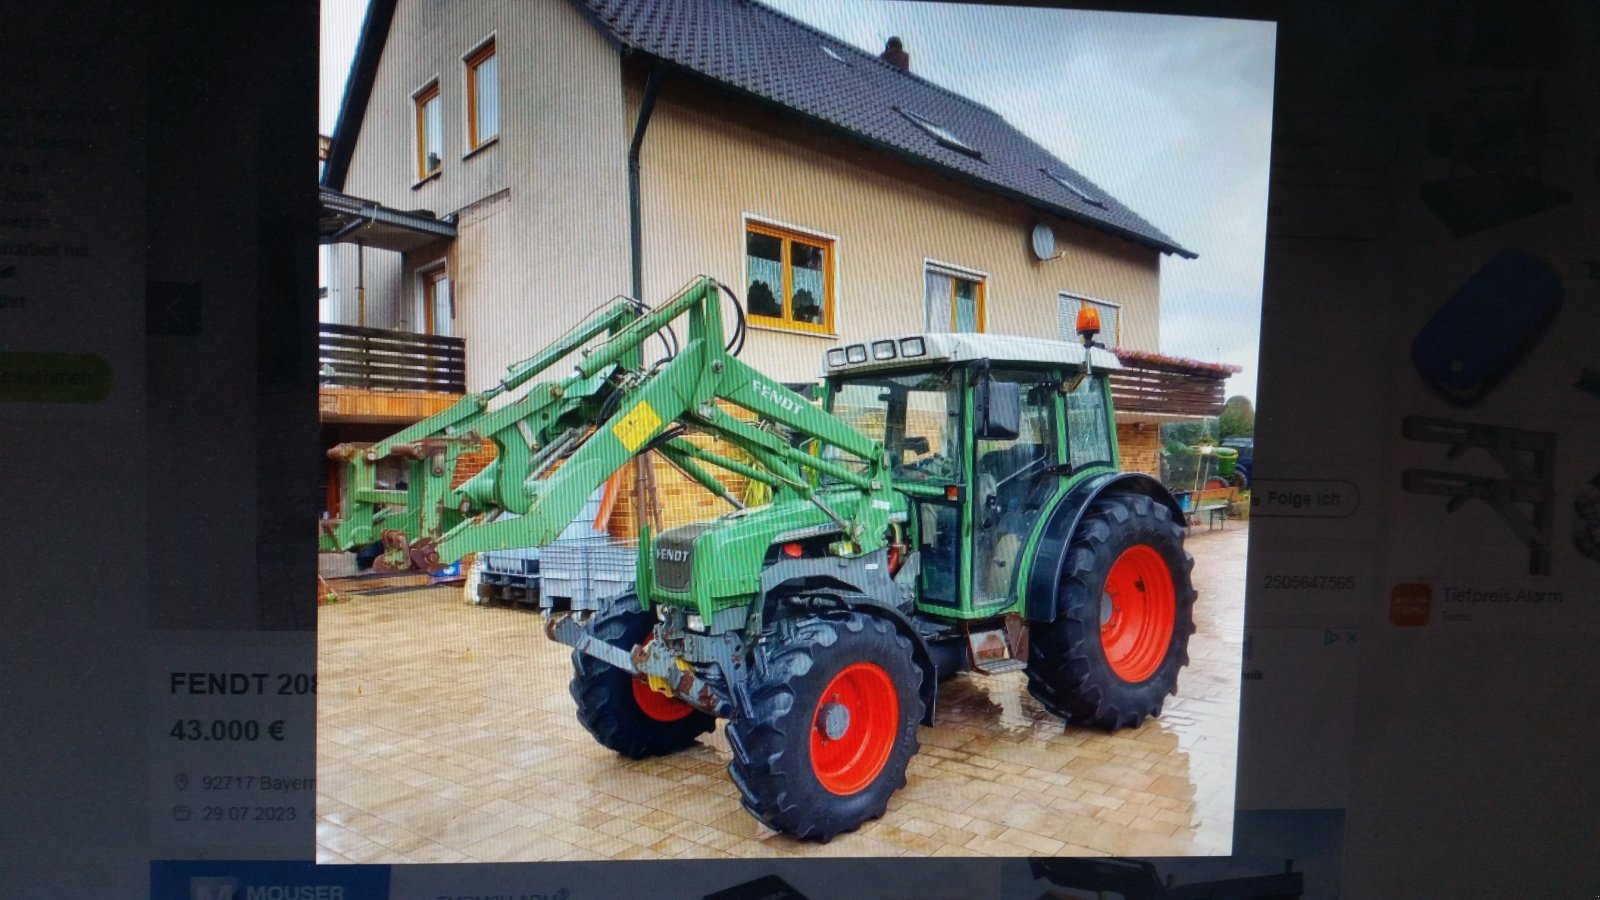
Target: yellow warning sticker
636, 427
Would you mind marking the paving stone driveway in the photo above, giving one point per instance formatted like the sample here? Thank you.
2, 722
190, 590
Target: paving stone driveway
445, 734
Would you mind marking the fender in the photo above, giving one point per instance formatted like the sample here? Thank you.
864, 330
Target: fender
1044, 578
867, 605
867, 575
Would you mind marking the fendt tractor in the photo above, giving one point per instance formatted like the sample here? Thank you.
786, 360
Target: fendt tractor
955, 505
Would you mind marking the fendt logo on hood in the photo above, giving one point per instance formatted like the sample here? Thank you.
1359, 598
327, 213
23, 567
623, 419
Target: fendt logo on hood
668, 554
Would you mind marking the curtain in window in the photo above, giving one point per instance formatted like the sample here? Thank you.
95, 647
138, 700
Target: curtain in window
488, 94
433, 132
937, 292
952, 302
764, 261
806, 304
966, 305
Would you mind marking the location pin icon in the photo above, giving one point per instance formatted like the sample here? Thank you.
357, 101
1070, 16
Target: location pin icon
182, 781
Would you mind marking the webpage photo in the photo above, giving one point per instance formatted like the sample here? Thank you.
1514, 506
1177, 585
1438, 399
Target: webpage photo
860, 540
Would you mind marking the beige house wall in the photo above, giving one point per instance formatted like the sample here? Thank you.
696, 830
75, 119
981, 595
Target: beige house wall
543, 223
543, 227
709, 161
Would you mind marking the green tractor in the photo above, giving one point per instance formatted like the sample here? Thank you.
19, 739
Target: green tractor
955, 505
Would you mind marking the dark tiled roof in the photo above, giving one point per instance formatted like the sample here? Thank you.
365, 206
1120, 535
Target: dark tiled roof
757, 50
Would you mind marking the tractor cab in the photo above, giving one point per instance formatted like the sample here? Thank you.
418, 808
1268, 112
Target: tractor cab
983, 434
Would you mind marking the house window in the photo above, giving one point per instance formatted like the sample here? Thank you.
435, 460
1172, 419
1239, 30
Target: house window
788, 279
430, 131
1110, 319
483, 96
954, 299
438, 302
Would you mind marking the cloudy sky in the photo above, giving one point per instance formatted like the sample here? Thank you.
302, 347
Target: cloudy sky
1172, 115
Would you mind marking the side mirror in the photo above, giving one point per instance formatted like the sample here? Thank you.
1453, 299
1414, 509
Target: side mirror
998, 407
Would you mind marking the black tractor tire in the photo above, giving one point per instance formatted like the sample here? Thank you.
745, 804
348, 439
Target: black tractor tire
1241, 476
1125, 611
834, 713
609, 699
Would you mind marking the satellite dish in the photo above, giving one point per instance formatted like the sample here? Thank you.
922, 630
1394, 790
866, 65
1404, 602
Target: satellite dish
1044, 242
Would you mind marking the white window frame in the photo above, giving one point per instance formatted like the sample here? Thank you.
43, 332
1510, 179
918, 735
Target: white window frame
467, 112
1116, 339
745, 218
952, 270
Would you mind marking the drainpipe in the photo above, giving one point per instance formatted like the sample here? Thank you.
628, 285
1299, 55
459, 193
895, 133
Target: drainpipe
647, 106
361, 284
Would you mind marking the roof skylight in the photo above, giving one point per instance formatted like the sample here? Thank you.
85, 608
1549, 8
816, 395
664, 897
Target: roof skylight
943, 135
1075, 187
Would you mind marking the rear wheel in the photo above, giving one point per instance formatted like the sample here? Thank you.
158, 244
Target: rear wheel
1125, 613
620, 710
835, 708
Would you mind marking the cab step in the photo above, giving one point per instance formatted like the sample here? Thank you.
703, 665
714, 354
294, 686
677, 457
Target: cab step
1001, 666
998, 647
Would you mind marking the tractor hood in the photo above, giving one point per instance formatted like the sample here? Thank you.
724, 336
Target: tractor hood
715, 564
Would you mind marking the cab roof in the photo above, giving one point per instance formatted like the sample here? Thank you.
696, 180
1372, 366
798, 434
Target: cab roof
902, 352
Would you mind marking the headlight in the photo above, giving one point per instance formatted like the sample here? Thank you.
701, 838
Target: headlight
856, 353
693, 622
883, 350
913, 347
836, 358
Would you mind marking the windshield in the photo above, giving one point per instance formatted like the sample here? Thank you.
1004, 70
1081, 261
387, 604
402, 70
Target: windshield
916, 416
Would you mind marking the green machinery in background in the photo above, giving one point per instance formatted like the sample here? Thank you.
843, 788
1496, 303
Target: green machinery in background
954, 506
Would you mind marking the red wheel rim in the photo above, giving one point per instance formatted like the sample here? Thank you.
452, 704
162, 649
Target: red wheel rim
1137, 613
658, 706
853, 728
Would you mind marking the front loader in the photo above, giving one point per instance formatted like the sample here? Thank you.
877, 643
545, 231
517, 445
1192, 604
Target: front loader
955, 506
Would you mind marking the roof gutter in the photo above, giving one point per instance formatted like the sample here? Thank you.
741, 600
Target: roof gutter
647, 106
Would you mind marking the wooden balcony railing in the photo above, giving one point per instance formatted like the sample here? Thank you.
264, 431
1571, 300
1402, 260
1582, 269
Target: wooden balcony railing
1168, 386
379, 359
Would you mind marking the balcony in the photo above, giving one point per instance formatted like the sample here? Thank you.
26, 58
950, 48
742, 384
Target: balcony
383, 376
1154, 387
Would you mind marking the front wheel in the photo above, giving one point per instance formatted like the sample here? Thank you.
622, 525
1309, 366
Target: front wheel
621, 710
1125, 614
834, 713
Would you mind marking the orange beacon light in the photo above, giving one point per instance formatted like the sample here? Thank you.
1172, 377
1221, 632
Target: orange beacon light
1088, 322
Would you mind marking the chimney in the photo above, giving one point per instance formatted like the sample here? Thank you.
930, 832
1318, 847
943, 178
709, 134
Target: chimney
895, 55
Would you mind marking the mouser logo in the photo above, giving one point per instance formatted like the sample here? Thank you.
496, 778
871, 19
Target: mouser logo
670, 555
766, 391
214, 888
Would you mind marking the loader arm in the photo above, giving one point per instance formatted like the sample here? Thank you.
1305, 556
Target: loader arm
561, 439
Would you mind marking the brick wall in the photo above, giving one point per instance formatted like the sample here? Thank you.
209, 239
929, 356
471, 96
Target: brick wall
471, 463
682, 499
467, 465
1140, 446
